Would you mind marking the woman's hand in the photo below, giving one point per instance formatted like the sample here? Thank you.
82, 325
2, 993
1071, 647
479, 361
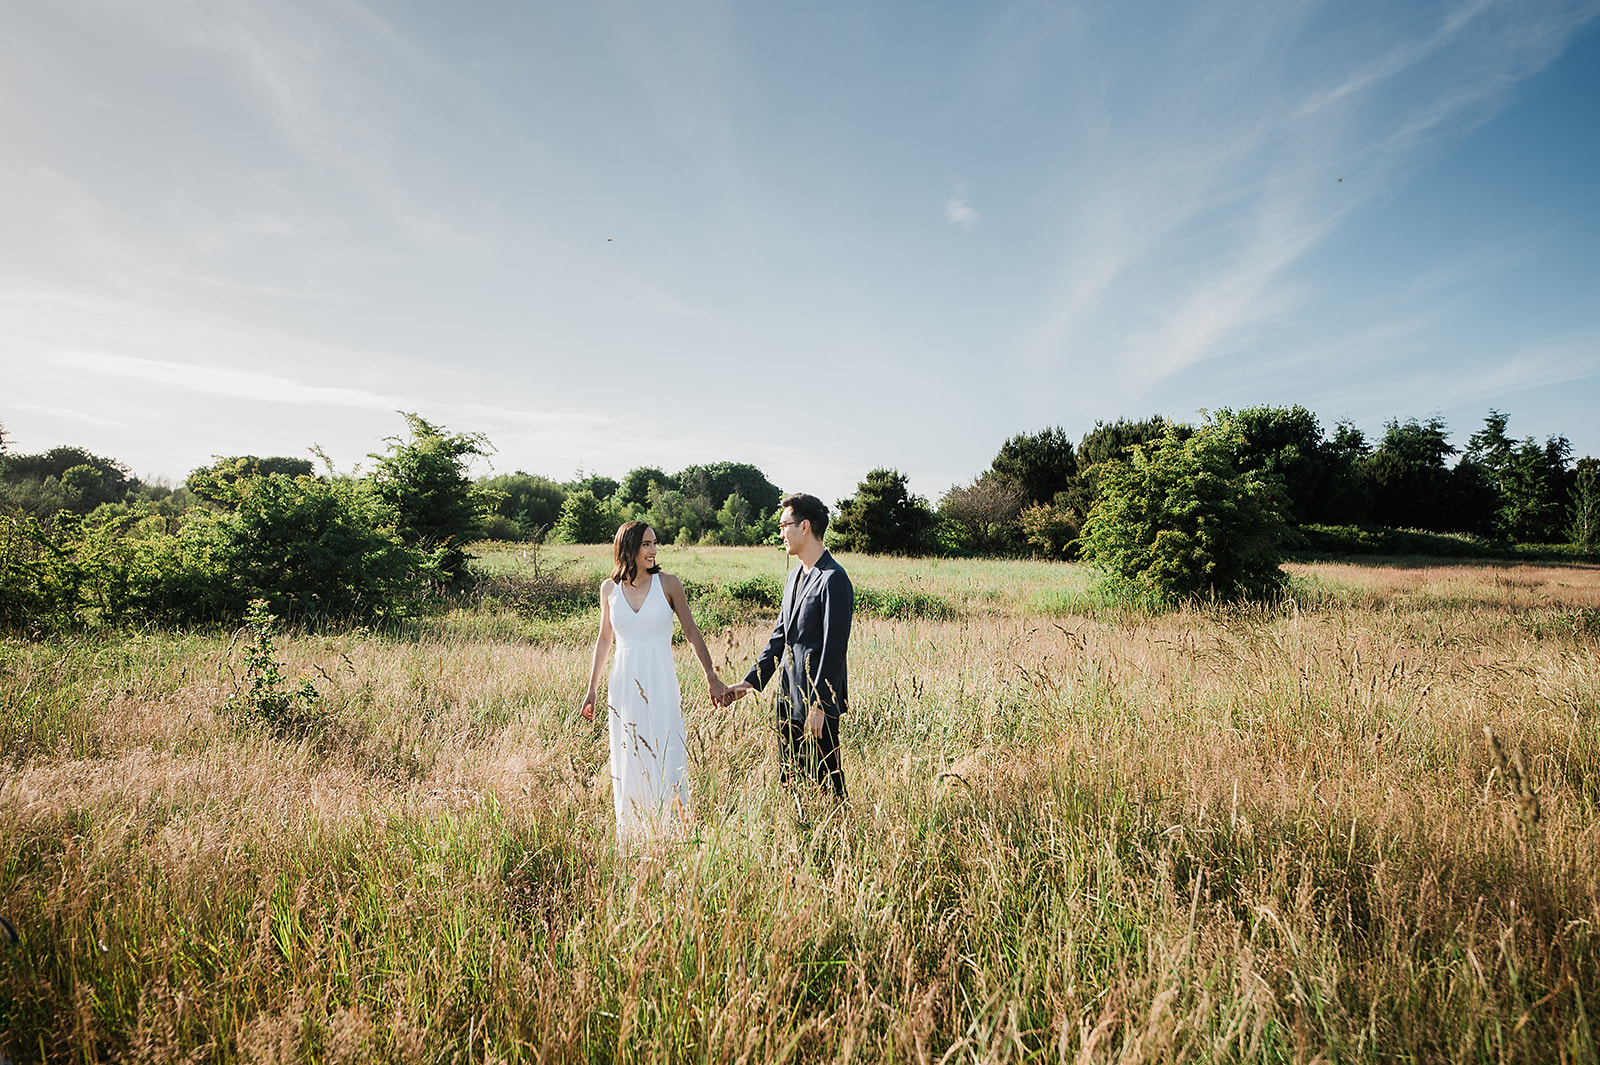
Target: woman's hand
588, 706
719, 690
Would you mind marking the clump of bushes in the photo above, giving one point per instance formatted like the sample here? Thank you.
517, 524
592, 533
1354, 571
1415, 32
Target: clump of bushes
902, 603
1180, 520
312, 548
763, 590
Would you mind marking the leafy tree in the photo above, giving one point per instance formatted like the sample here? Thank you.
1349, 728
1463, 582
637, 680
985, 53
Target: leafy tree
708, 486
1470, 500
1407, 475
1041, 464
882, 518
1177, 518
637, 482
1490, 445
63, 478
228, 470
437, 506
1108, 442
1529, 482
1318, 476
1350, 442
1585, 528
981, 517
736, 521
600, 486
585, 520
672, 517
530, 502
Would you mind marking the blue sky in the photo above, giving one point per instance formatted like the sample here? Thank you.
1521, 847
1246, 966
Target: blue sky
819, 238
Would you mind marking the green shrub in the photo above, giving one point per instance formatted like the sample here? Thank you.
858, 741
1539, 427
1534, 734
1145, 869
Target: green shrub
500, 527
901, 603
763, 590
269, 702
438, 509
585, 520
1052, 530
200, 482
68, 572
1179, 519
310, 548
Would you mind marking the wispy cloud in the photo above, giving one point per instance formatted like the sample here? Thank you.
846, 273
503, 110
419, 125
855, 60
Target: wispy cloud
67, 413
259, 387
1193, 216
1412, 386
220, 381
325, 77
1562, 363
958, 212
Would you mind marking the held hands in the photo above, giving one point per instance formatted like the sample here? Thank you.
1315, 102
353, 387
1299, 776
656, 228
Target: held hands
732, 693
814, 723
719, 690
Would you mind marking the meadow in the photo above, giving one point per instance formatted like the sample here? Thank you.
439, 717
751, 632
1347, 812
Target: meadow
1358, 824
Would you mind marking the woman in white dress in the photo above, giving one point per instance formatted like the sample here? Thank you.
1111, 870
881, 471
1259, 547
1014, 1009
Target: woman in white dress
649, 758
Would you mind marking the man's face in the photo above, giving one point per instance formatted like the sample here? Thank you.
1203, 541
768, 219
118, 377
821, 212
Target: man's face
794, 533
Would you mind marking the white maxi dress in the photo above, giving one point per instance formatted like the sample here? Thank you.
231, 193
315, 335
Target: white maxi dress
649, 759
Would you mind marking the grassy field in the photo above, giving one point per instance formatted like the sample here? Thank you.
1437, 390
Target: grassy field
1079, 831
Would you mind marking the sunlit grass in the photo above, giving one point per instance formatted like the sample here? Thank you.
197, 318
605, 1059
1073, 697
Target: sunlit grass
1079, 830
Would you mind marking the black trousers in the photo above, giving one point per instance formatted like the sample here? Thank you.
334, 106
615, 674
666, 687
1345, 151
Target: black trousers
805, 758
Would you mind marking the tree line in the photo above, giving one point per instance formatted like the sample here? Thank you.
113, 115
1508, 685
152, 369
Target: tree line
1041, 488
1178, 508
726, 503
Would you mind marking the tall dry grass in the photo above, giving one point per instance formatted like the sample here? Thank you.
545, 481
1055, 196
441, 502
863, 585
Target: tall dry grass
1214, 834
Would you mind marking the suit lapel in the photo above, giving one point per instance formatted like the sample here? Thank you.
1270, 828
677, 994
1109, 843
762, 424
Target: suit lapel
791, 606
802, 584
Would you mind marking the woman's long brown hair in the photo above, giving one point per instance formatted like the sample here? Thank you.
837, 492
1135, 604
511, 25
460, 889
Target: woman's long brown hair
625, 552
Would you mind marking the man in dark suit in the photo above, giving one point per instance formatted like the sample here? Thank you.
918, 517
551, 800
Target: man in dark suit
808, 646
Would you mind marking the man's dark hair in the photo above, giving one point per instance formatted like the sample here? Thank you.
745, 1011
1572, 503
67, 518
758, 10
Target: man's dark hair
808, 508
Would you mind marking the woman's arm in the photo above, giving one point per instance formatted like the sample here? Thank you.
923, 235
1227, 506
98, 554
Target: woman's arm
679, 600
602, 649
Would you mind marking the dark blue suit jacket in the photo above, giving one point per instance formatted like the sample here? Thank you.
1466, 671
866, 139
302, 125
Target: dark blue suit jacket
814, 624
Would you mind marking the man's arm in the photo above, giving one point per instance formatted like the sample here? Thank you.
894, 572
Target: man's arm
767, 663
828, 671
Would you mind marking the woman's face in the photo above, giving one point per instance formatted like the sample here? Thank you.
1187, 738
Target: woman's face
646, 559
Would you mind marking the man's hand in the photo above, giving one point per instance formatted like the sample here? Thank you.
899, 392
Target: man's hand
734, 692
815, 720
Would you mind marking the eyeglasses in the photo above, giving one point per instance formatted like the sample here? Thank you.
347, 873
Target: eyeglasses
787, 524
